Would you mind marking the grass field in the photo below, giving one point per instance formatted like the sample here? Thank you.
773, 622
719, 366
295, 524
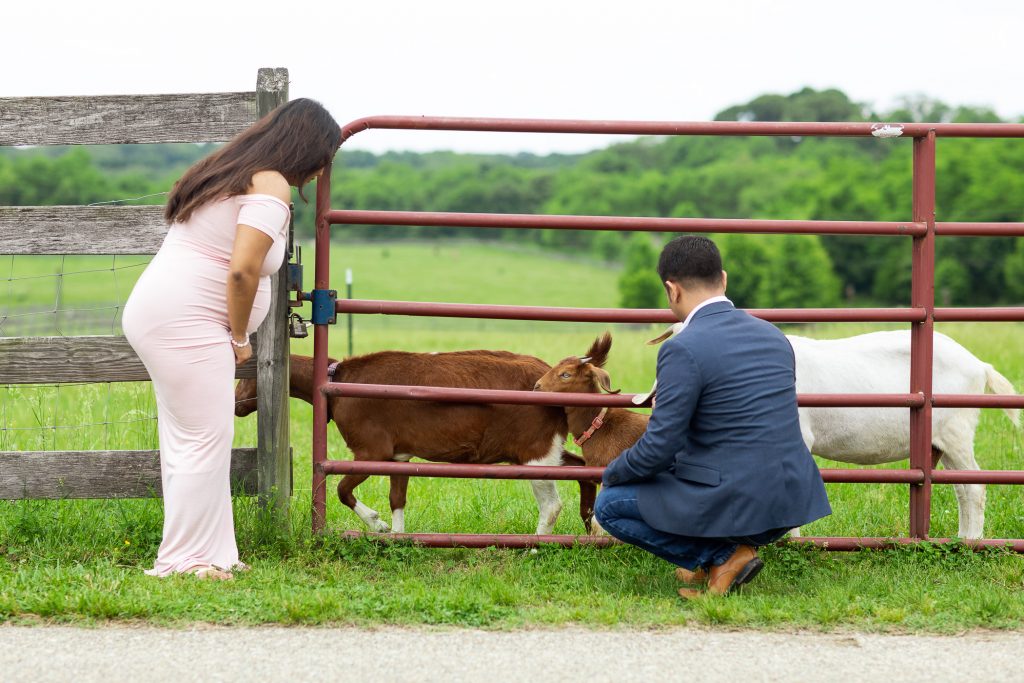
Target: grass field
81, 561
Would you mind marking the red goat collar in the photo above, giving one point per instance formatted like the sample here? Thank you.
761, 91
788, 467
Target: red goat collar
594, 426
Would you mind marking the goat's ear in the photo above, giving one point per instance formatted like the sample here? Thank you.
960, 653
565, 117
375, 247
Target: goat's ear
598, 351
604, 380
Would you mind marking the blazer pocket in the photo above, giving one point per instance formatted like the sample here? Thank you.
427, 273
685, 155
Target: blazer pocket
701, 474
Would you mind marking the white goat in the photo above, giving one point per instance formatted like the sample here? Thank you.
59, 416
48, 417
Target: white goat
879, 363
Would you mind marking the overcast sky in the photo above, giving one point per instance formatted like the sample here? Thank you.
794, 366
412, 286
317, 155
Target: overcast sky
656, 60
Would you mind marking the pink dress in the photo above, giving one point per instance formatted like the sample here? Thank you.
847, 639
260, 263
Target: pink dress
176, 319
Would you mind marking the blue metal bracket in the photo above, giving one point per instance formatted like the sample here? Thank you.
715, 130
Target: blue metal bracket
323, 306
295, 277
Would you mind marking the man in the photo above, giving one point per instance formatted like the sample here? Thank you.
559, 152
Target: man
722, 467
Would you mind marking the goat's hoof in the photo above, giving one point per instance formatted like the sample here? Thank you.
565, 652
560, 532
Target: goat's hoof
376, 524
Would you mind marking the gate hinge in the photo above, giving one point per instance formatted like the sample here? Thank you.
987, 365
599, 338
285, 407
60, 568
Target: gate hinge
323, 306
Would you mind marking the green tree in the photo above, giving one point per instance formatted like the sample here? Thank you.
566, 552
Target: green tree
748, 261
807, 104
68, 179
891, 283
608, 246
921, 108
1014, 273
952, 283
800, 275
639, 286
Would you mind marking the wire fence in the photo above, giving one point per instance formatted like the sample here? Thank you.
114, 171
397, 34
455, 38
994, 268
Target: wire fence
70, 296
36, 322
66, 295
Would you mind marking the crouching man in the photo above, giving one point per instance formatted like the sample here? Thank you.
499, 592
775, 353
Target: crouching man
722, 467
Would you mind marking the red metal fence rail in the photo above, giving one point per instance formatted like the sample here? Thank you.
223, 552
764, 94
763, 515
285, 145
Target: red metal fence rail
921, 315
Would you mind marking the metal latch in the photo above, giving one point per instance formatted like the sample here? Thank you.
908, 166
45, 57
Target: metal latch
295, 270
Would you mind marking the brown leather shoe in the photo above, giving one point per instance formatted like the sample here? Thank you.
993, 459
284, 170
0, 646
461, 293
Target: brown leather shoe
694, 577
690, 593
741, 567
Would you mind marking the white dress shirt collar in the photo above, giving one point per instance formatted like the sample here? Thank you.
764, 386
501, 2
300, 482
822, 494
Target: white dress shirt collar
702, 304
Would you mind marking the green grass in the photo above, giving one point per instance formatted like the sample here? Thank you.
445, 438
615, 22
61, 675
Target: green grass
81, 561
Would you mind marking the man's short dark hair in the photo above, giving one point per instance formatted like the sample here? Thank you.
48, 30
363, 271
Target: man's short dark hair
693, 261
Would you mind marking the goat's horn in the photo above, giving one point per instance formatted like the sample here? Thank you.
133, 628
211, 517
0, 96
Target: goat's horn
641, 399
660, 338
675, 329
584, 359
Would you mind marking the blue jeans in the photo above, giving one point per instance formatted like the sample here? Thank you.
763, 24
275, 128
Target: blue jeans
617, 510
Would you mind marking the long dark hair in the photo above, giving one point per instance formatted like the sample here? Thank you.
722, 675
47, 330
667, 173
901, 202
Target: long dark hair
297, 139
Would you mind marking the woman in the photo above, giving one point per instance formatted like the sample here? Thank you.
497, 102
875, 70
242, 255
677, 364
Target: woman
192, 310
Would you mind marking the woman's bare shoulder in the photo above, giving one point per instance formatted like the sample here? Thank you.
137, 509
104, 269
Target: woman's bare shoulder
272, 183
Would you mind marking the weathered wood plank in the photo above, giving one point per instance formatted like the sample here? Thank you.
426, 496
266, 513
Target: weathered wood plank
125, 119
273, 453
101, 474
81, 229
101, 358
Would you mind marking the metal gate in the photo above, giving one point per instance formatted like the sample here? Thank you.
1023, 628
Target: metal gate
921, 315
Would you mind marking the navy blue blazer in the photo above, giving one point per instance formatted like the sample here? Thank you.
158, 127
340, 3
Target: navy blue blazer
723, 455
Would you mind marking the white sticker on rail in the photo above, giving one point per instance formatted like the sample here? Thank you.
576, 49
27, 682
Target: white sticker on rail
886, 130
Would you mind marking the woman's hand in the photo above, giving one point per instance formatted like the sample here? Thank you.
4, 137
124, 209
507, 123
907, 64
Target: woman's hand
242, 354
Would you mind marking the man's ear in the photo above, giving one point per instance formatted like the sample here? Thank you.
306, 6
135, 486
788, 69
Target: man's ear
674, 291
725, 280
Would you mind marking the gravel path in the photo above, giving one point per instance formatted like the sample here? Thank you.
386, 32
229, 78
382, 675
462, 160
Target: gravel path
110, 654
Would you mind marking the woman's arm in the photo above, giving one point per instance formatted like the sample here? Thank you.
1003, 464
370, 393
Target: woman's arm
247, 256
251, 247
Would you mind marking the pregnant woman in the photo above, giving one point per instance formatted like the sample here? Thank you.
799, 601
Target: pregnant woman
192, 310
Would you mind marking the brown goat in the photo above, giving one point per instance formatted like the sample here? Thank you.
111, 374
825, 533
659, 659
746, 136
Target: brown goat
389, 429
618, 428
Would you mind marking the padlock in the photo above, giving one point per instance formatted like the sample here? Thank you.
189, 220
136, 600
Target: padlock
298, 327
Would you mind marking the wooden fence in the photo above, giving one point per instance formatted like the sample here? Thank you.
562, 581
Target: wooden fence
129, 119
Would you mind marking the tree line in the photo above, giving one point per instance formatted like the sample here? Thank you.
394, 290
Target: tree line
780, 178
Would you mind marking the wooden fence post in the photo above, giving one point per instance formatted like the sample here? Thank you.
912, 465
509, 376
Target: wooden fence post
273, 452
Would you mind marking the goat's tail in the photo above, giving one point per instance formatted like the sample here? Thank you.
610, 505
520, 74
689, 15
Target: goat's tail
998, 384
